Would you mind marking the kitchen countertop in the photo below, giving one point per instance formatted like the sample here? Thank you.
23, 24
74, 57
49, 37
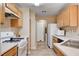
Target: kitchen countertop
65, 38
68, 51
4, 47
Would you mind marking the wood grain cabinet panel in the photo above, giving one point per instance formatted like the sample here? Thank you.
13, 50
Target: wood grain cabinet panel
17, 23
13, 8
59, 20
20, 23
62, 17
69, 16
57, 51
73, 15
55, 40
78, 16
2, 14
11, 52
66, 17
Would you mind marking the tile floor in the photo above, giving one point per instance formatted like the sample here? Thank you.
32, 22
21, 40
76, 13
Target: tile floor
42, 50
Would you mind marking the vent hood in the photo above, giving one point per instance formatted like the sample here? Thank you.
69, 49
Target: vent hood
9, 14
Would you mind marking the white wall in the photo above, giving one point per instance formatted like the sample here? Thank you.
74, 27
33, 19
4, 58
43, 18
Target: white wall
25, 31
33, 30
26, 22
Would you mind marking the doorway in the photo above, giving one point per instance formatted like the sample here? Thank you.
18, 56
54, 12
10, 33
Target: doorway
41, 30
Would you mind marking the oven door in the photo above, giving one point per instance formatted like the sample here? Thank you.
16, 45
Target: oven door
22, 50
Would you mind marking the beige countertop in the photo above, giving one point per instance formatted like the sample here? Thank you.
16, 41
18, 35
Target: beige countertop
67, 37
68, 51
4, 47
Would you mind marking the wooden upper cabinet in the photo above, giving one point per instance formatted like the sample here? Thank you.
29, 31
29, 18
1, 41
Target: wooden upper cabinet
17, 23
59, 20
73, 15
69, 17
78, 15
20, 23
13, 8
19, 13
2, 14
66, 17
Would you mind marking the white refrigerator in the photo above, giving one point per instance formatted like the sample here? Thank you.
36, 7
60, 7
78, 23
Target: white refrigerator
52, 30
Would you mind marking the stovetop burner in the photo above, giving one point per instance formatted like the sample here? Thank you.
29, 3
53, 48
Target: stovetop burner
8, 41
13, 40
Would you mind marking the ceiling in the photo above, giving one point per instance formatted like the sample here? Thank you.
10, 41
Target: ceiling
44, 9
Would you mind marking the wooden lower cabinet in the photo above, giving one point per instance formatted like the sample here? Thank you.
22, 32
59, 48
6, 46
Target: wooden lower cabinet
11, 52
57, 51
56, 40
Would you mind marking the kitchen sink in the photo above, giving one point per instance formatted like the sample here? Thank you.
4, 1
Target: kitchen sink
71, 43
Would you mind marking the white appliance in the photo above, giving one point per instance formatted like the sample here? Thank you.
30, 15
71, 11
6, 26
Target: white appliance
52, 30
22, 45
60, 32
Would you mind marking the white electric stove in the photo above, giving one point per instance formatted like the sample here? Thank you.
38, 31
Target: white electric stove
9, 37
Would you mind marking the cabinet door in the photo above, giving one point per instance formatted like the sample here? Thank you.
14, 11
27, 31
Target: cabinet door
55, 40
57, 51
58, 20
11, 52
17, 23
78, 16
61, 20
20, 23
66, 17
14, 23
13, 8
19, 13
2, 14
73, 15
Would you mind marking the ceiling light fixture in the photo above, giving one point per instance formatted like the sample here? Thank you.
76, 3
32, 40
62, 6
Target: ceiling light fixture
36, 4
